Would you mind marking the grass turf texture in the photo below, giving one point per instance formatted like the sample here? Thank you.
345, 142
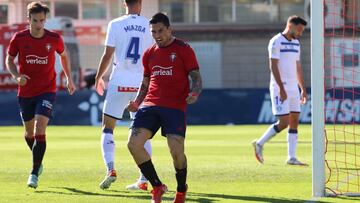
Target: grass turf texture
221, 167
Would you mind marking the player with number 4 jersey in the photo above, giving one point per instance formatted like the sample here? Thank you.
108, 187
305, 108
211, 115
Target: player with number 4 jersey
127, 38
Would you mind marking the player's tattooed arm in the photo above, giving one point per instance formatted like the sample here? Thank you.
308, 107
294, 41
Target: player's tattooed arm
133, 106
196, 81
196, 86
141, 94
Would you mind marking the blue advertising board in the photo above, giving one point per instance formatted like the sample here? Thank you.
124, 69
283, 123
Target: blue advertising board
214, 107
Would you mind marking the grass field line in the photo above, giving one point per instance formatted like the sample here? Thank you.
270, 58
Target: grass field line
313, 200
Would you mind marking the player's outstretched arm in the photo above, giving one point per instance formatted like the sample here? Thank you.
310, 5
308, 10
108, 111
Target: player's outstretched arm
65, 63
141, 94
196, 86
301, 82
103, 66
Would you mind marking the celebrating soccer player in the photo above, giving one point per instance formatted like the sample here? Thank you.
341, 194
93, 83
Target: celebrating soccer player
164, 93
35, 48
128, 37
286, 78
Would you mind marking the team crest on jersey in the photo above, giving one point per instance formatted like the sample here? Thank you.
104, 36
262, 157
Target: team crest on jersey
48, 47
173, 57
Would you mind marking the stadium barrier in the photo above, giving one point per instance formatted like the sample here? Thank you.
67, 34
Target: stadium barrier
214, 107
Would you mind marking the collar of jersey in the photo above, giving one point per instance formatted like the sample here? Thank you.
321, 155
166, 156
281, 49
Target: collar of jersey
286, 37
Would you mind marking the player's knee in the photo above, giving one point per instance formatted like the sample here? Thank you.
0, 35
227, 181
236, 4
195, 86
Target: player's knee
108, 122
282, 125
40, 127
133, 145
177, 154
29, 134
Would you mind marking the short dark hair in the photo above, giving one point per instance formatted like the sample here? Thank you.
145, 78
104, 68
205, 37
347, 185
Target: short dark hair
296, 20
131, 2
37, 7
160, 18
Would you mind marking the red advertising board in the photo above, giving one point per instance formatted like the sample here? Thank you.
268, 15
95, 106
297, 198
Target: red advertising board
90, 35
7, 82
6, 32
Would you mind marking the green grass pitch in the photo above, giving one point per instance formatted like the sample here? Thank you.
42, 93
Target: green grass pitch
221, 167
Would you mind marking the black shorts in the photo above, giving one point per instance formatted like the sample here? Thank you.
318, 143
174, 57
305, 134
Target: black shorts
41, 105
171, 121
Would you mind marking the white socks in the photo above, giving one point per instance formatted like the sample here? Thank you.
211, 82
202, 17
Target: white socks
269, 133
108, 148
292, 138
108, 151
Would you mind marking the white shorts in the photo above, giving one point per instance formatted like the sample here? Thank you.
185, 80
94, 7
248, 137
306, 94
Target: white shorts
116, 100
290, 105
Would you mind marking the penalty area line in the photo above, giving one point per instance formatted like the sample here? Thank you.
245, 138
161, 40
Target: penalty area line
313, 200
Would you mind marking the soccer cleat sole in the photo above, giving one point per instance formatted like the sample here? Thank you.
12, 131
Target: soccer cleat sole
106, 183
261, 161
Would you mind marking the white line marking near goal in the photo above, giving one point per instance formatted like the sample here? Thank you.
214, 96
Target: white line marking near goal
313, 200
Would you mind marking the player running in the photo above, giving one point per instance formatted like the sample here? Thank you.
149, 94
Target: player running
36, 48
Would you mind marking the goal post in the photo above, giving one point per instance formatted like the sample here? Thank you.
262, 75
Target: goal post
317, 97
335, 97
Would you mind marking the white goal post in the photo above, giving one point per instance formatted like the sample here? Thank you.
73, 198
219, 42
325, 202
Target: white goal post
317, 98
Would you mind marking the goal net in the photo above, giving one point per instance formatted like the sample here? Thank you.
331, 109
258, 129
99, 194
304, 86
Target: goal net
341, 96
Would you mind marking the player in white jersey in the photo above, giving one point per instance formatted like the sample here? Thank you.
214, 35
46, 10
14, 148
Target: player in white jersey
128, 37
286, 78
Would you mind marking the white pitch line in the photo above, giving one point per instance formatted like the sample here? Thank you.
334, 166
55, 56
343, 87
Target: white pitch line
313, 200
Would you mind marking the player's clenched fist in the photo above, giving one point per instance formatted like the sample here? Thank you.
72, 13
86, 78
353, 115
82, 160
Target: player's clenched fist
192, 98
71, 87
22, 79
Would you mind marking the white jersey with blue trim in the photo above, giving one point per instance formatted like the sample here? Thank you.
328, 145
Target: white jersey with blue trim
130, 35
288, 53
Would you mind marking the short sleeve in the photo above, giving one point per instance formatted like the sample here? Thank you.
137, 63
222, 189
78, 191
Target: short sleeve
145, 61
60, 46
299, 54
13, 48
190, 60
274, 49
110, 36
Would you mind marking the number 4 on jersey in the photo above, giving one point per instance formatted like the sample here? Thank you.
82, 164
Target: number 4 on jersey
133, 50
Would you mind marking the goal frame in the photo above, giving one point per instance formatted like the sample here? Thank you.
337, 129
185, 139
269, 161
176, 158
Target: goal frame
317, 97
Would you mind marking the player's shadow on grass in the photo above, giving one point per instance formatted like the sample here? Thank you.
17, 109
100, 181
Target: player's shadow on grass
124, 194
211, 198
193, 197
74, 191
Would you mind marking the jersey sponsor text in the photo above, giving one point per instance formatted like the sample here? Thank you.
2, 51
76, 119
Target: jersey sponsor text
163, 71
33, 59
